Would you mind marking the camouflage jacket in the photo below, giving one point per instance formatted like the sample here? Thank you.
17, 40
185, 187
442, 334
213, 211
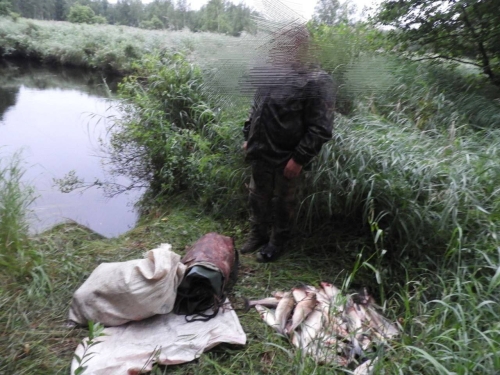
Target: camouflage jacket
291, 117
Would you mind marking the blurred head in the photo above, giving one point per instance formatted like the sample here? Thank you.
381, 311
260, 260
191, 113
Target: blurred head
291, 45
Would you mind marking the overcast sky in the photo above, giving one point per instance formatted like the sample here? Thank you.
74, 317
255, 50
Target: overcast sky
303, 7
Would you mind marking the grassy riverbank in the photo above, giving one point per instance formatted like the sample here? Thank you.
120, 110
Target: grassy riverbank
35, 338
107, 48
404, 199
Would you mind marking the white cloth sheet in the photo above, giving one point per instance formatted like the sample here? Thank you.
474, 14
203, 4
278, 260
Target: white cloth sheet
130, 348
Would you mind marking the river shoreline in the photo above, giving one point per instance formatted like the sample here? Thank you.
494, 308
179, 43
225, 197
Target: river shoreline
58, 120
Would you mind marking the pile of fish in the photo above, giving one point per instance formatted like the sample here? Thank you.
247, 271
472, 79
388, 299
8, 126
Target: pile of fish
331, 327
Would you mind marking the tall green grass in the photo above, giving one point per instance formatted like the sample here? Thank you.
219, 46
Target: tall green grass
404, 199
421, 177
418, 161
17, 258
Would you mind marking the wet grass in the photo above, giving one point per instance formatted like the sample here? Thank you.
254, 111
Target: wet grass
403, 200
110, 48
34, 331
33, 317
448, 309
447, 323
16, 256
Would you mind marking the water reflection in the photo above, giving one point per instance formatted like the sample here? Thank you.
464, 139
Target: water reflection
8, 97
59, 119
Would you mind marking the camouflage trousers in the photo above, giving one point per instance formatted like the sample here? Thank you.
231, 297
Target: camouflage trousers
272, 199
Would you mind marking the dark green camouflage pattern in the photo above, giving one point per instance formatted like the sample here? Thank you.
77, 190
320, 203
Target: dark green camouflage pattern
292, 115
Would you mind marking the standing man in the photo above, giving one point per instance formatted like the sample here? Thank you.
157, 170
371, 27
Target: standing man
290, 120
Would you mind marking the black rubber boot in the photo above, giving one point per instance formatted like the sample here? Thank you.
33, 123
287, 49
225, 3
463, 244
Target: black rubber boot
254, 242
268, 253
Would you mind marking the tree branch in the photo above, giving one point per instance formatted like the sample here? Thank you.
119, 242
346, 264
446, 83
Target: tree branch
448, 58
485, 58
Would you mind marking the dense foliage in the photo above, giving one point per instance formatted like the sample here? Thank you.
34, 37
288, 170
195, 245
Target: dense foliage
413, 161
84, 14
171, 140
403, 199
333, 12
101, 47
219, 16
5, 8
465, 31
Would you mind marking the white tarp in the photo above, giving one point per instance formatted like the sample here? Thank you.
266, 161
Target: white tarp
128, 349
119, 292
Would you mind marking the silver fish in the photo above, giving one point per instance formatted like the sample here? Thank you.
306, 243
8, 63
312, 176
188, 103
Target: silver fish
330, 290
267, 315
295, 338
361, 311
353, 320
327, 349
283, 310
268, 302
355, 329
303, 308
311, 327
366, 368
278, 294
299, 294
338, 327
381, 324
363, 297
320, 294
333, 342
365, 342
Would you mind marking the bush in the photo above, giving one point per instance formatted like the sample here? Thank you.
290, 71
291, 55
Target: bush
99, 20
339, 48
15, 16
153, 24
4, 8
81, 14
170, 139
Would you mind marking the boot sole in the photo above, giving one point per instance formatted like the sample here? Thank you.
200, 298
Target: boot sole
254, 249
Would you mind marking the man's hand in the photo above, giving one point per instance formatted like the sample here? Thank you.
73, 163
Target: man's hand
244, 147
292, 169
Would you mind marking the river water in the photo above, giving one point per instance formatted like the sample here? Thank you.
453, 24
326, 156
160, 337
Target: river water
56, 118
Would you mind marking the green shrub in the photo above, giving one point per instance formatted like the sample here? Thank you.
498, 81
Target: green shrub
15, 16
5, 8
339, 49
170, 139
81, 14
153, 24
99, 20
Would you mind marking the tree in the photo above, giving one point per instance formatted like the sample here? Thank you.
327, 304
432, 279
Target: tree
162, 9
240, 18
129, 12
465, 31
182, 9
4, 9
214, 16
60, 10
81, 14
153, 24
122, 12
333, 12
136, 12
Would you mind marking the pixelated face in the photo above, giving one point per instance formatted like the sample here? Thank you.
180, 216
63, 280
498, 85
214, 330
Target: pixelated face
291, 45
